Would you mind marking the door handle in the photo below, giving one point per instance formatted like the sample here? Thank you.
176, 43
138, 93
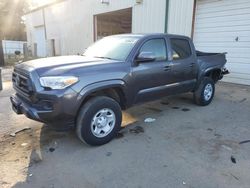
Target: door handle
192, 64
167, 67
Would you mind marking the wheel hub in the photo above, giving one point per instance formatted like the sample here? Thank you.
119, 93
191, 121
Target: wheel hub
103, 122
208, 92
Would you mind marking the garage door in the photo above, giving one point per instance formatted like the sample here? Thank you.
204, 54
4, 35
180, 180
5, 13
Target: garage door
224, 26
40, 41
111, 23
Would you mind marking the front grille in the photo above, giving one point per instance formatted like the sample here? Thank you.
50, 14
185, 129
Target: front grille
22, 83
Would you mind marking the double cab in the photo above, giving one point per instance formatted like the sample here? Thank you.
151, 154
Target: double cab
89, 92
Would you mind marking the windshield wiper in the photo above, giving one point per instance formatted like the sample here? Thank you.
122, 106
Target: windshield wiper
103, 57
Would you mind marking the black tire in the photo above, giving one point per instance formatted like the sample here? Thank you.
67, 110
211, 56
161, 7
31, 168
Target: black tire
86, 114
199, 94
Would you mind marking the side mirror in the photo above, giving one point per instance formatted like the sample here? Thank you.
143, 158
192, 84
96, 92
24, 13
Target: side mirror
145, 57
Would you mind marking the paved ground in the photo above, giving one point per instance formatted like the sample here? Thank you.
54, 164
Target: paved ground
187, 146
6, 74
8, 120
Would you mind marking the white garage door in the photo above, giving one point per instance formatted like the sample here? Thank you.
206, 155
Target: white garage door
224, 26
40, 41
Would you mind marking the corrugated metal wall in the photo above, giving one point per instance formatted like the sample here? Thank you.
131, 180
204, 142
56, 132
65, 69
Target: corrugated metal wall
149, 17
71, 22
180, 17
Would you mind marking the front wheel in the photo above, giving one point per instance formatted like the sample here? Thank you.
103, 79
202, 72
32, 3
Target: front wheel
99, 120
204, 94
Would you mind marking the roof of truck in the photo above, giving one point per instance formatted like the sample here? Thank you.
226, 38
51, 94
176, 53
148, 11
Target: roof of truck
142, 35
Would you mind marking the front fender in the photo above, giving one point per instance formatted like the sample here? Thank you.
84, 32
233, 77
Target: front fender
87, 90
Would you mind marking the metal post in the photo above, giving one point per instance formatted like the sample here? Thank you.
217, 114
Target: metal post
25, 51
1, 64
1, 54
35, 50
1, 85
53, 47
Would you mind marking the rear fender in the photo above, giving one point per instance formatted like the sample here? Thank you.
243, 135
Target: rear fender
206, 72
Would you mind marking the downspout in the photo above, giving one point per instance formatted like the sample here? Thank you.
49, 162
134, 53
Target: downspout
166, 16
45, 31
193, 19
44, 23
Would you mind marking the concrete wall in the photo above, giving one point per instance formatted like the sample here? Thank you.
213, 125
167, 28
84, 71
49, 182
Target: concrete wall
33, 21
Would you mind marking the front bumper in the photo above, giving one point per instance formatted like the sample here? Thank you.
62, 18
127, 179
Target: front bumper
54, 109
21, 107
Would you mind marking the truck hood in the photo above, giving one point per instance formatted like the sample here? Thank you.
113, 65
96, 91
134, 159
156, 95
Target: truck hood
62, 64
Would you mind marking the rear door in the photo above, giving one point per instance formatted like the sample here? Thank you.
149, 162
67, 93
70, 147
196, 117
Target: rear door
184, 67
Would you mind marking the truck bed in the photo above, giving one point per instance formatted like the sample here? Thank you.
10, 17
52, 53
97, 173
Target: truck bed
211, 60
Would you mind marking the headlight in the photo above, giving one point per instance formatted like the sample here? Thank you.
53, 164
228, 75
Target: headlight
58, 82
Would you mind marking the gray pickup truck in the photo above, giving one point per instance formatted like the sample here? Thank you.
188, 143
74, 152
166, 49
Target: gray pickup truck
88, 92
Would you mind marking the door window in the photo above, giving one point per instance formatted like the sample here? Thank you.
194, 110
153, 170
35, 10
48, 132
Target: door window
157, 47
181, 48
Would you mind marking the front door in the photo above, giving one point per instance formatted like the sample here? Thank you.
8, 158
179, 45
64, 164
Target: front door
151, 78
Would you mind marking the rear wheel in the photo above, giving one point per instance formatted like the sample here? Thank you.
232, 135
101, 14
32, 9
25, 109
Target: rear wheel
204, 94
99, 120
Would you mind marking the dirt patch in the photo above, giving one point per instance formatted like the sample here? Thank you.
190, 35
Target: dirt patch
185, 109
175, 107
119, 135
154, 109
137, 130
164, 103
16, 156
19, 153
108, 154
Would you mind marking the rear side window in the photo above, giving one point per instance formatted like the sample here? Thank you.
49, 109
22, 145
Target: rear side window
181, 48
156, 46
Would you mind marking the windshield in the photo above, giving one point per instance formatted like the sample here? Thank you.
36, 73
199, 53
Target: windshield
114, 47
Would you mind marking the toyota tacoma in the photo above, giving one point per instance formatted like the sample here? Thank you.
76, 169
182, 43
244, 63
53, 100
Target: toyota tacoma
89, 92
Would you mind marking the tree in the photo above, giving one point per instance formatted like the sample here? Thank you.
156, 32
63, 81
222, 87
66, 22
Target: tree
11, 24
